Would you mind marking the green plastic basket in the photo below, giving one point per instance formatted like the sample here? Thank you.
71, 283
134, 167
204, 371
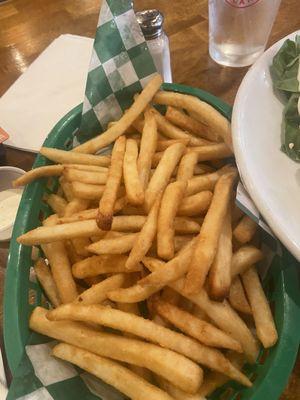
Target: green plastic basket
23, 293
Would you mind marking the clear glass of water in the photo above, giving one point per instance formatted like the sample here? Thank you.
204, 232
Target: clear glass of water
239, 29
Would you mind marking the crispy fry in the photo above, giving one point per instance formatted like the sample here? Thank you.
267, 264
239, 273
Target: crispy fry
164, 144
46, 280
76, 205
118, 245
72, 255
66, 188
69, 157
245, 230
237, 297
186, 166
163, 172
264, 322
36, 173
93, 145
145, 237
207, 240
203, 331
87, 167
244, 258
203, 169
109, 197
175, 392
133, 185
80, 246
152, 332
87, 191
196, 204
91, 177
133, 351
190, 124
60, 266
165, 224
57, 203
184, 225
170, 295
220, 271
147, 148
98, 293
156, 158
133, 294
204, 112
212, 151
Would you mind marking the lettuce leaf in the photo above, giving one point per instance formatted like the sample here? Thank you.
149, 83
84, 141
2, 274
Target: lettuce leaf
291, 129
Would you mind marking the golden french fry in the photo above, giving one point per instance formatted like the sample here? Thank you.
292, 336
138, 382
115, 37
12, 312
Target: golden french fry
244, 258
91, 177
237, 214
175, 392
133, 294
187, 123
98, 265
156, 158
212, 151
185, 225
237, 297
139, 105
152, 332
147, 148
87, 167
201, 330
207, 240
71, 252
164, 144
69, 157
163, 172
46, 280
80, 246
196, 204
204, 112
133, 185
109, 197
87, 191
36, 173
202, 169
264, 322
118, 245
60, 266
76, 205
66, 188
170, 295
186, 166
206, 181
153, 357
245, 230
145, 237
165, 223
98, 293
57, 203
220, 271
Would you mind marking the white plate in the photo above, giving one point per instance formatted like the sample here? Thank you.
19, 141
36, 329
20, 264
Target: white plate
271, 178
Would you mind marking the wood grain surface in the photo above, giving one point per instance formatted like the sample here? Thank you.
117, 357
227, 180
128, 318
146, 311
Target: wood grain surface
27, 27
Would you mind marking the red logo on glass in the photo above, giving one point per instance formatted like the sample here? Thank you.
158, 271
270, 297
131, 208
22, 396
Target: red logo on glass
241, 3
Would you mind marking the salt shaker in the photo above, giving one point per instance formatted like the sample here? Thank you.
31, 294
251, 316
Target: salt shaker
151, 23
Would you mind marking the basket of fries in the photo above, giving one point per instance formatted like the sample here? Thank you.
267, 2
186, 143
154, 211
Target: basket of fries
140, 263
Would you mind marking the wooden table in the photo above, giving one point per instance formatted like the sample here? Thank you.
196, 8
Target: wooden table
27, 27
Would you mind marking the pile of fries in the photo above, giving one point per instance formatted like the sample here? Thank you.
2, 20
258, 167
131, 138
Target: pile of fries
153, 224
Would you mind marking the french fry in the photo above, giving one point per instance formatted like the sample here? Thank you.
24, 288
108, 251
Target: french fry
237, 297
203, 331
152, 332
170, 295
153, 357
118, 245
147, 148
174, 391
80, 246
244, 258
156, 158
164, 144
66, 188
71, 252
69, 157
264, 322
245, 230
207, 240
109, 197
60, 266
76, 205
98, 265
87, 167
163, 172
185, 226
133, 294
194, 205
91, 177
202, 169
186, 166
206, 181
139, 105
214, 151
46, 280
185, 122
165, 224
87, 191
133, 185
36, 173
145, 237
220, 271
98, 293
57, 203
204, 112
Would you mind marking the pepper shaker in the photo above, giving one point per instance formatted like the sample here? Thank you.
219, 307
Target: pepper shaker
151, 23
